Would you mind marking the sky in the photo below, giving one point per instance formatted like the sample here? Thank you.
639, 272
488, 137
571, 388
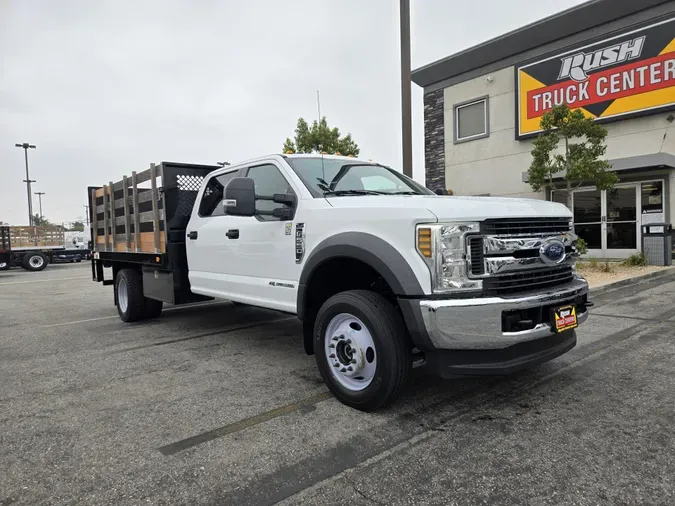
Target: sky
106, 87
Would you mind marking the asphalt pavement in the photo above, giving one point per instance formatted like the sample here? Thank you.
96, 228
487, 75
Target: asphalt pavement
218, 404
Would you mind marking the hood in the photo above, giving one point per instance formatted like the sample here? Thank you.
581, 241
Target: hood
451, 208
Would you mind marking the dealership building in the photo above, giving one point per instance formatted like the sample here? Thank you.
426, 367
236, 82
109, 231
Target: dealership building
614, 60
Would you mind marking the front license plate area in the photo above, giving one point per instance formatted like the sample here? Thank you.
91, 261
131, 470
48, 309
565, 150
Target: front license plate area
565, 318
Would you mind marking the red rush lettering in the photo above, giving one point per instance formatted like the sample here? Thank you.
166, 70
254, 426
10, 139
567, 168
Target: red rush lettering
632, 79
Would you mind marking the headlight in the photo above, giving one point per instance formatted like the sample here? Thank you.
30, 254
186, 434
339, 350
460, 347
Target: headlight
443, 247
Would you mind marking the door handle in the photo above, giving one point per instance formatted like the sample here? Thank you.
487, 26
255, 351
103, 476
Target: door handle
233, 233
192, 235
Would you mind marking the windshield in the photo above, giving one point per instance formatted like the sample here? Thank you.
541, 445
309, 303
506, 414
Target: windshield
331, 177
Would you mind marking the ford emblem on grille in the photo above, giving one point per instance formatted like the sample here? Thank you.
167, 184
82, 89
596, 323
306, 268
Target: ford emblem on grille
552, 252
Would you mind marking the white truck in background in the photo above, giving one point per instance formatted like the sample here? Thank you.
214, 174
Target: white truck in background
376, 266
75, 240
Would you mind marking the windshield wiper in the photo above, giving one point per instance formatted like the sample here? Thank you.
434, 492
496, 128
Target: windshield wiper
405, 193
353, 192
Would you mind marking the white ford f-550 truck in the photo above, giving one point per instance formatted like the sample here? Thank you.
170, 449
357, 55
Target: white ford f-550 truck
377, 267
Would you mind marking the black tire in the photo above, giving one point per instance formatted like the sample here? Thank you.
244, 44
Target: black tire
133, 308
153, 308
34, 261
392, 348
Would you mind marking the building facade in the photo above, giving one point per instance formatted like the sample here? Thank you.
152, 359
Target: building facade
614, 60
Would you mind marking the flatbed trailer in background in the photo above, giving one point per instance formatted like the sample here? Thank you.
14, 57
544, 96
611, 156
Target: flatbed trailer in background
31, 247
140, 222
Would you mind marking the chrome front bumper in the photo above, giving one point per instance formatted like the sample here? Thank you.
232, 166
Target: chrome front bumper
476, 324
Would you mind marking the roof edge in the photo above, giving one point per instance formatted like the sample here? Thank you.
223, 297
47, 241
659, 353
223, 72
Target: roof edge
574, 20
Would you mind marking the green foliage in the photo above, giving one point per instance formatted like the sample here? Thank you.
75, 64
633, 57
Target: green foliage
593, 262
320, 138
582, 248
636, 260
584, 145
40, 221
76, 226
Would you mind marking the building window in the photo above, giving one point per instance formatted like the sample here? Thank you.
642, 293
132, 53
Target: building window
472, 120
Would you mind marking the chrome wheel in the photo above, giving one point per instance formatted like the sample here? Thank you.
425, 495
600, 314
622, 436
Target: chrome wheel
3, 266
122, 295
36, 261
350, 351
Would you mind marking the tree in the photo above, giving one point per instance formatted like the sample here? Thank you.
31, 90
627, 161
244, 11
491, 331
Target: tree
40, 221
320, 138
76, 226
584, 144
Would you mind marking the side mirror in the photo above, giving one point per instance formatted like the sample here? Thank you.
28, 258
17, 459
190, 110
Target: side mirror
239, 197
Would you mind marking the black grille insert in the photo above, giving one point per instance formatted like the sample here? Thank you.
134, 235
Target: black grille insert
476, 252
523, 281
526, 226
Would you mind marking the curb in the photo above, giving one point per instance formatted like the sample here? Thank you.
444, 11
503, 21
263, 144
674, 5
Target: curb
632, 281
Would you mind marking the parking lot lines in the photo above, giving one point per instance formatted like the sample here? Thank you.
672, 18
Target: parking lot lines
43, 280
204, 437
174, 308
205, 334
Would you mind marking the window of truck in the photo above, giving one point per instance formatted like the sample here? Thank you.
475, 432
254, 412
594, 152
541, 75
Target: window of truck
268, 180
330, 176
213, 195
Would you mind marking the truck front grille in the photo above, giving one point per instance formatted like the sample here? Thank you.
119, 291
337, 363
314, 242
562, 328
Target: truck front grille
523, 281
532, 227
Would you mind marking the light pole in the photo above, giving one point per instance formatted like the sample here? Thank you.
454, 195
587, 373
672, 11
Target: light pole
40, 194
86, 216
406, 106
28, 180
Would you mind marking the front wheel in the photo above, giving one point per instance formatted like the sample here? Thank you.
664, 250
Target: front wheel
361, 349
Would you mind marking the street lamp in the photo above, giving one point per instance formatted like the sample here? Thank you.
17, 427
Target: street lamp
40, 194
28, 180
406, 106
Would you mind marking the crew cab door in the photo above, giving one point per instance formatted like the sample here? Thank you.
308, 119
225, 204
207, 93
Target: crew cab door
261, 267
206, 242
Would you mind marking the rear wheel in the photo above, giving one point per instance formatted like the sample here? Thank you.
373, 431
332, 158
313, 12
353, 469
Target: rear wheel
361, 349
34, 261
4, 266
131, 304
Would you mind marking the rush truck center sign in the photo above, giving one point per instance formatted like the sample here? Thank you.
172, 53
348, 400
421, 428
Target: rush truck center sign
628, 74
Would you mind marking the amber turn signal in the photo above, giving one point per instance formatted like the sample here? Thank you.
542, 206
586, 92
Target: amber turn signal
424, 241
